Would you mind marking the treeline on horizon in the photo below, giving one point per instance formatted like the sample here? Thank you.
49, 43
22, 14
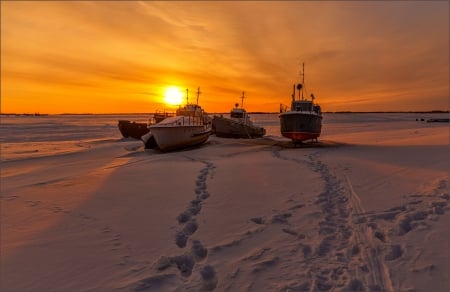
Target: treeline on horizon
257, 113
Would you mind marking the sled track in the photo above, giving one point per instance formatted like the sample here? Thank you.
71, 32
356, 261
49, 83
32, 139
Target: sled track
345, 255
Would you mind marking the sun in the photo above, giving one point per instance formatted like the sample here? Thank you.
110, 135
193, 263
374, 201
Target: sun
173, 95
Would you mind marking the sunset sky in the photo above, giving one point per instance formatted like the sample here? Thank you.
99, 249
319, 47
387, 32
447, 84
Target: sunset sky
119, 57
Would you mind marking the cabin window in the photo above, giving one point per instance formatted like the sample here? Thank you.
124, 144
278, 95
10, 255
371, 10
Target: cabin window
236, 115
302, 106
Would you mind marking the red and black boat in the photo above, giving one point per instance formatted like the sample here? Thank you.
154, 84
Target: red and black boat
303, 121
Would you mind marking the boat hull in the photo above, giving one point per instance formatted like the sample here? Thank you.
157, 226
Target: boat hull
149, 141
132, 129
169, 138
228, 128
300, 126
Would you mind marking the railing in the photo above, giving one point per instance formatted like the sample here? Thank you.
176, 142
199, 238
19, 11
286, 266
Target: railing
186, 120
159, 116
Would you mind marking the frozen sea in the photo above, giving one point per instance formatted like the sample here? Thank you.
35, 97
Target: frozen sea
261, 215
24, 137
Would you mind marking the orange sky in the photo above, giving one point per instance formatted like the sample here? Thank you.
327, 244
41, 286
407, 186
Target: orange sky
119, 56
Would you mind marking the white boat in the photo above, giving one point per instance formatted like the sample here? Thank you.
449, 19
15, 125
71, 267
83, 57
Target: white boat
190, 127
239, 125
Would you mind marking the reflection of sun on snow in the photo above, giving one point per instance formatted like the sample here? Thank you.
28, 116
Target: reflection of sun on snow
173, 96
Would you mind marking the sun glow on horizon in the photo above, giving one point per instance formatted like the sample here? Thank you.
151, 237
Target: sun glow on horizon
173, 95
45, 69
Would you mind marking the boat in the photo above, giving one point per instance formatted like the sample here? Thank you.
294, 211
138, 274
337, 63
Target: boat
140, 130
149, 141
444, 120
132, 129
303, 121
190, 127
238, 125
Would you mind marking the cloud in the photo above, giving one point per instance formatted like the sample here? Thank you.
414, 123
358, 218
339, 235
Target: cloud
359, 51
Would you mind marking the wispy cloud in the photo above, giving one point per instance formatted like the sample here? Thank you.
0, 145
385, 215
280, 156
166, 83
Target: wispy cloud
357, 54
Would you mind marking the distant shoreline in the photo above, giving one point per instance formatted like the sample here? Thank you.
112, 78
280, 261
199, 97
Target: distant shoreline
391, 112
221, 113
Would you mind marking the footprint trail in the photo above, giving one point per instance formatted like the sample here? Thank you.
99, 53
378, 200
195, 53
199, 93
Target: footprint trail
195, 251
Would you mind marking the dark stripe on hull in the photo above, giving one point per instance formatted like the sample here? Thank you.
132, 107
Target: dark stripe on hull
300, 126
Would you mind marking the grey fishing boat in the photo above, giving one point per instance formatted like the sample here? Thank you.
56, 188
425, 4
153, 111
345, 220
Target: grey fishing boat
239, 125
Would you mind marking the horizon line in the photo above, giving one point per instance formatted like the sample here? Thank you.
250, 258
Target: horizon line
255, 112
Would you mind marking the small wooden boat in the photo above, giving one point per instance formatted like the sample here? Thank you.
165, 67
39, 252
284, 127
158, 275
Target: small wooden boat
238, 125
303, 121
138, 130
132, 129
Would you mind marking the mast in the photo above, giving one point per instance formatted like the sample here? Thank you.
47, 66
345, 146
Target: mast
303, 78
242, 99
300, 86
198, 94
187, 96
293, 94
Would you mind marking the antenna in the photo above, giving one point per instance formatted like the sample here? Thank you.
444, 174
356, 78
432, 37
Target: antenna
187, 96
242, 99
